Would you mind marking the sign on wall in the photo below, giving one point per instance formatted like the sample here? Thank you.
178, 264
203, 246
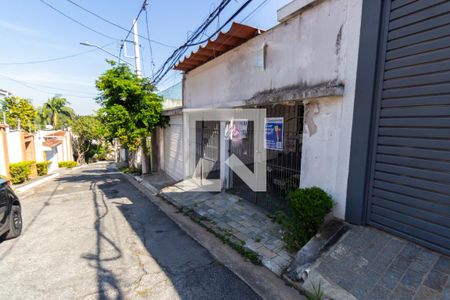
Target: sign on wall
273, 138
236, 130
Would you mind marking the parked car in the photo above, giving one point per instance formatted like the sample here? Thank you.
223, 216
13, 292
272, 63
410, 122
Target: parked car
10, 212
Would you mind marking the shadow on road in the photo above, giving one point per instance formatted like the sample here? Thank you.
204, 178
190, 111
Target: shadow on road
193, 272
105, 277
29, 224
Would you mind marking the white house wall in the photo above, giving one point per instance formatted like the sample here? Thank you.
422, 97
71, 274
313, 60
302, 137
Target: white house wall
305, 51
326, 154
315, 49
173, 148
39, 148
15, 147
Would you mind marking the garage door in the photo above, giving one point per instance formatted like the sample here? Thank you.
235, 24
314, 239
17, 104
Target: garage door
173, 148
410, 178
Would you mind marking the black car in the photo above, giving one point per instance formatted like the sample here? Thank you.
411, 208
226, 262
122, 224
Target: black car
10, 213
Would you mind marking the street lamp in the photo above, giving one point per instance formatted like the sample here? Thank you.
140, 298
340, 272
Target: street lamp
104, 50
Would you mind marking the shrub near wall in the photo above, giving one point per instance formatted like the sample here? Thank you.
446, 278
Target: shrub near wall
42, 167
67, 164
20, 172
307, 210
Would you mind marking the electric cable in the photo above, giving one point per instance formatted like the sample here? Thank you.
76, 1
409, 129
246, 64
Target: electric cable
144, 4
52, 59
76, 21
236, 13
116, 25
152, 62
180, 51
28, 85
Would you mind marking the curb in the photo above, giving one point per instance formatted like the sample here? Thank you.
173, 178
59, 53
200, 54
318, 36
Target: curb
261, 280
25, 188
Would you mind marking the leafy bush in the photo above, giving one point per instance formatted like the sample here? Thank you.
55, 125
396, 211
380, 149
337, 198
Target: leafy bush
42, 167
307, 210
134, 171
67, 164
20, 172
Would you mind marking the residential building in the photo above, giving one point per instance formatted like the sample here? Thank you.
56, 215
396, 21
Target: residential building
170, 139
55, 146
361, 89
20, 146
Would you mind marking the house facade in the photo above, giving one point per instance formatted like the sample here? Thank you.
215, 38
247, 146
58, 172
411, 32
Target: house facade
55, 146
360, 88
170, 139
21, 146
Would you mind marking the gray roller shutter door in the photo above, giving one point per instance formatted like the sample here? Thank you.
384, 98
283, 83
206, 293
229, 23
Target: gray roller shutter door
173, 148
409, 191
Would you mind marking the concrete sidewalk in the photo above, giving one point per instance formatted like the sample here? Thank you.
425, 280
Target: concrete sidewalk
230, 217
367, 263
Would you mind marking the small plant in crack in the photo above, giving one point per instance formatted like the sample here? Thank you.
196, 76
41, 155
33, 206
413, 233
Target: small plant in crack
225, 238
316, 294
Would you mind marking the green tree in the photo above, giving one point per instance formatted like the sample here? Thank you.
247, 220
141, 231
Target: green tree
89, 137
16, 109
54, 108
130, 108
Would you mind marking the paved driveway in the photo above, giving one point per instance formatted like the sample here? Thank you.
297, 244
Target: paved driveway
90, 234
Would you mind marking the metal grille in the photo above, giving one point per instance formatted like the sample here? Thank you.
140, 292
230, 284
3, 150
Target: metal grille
207, 150
410, 183
283, 167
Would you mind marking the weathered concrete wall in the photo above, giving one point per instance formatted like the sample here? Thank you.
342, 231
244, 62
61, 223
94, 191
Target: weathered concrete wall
326, 150
305, 51
321, 135
350, 42
313, 55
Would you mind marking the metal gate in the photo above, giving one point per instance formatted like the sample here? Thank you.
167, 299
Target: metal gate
283, 167
207, 148
409, 192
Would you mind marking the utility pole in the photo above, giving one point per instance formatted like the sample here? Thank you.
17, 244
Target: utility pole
137, 50
137, 62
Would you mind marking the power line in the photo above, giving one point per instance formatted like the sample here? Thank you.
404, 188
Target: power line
197, 33
174, 61
50, 59
180, 51
152, 63
76, 21
226, 23
253, 11
144, 4
28, 85
67, 90
115, 24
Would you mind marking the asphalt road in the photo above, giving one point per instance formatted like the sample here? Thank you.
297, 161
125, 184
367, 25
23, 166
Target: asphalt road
91, 235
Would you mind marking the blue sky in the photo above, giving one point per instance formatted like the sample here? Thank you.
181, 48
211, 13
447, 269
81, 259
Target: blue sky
31, 31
